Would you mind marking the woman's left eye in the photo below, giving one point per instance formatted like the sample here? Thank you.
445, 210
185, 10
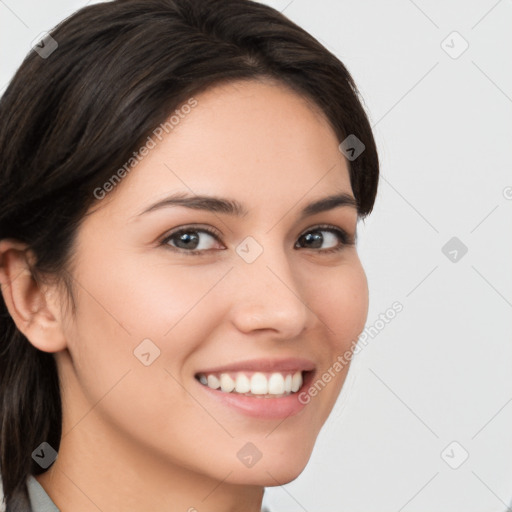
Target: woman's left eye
333, 238
189, 241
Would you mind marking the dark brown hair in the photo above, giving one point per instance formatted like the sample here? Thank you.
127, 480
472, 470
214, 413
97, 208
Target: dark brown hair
69, 120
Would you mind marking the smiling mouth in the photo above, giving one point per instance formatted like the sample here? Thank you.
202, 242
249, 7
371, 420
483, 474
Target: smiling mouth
255, 384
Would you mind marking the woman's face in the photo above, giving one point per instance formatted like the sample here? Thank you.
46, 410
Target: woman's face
259, 300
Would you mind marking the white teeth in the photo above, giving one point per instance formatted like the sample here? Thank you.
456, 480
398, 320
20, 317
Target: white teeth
243, 384
259, 384
213, 382
275, 384
227, 384
288, 384
296, 381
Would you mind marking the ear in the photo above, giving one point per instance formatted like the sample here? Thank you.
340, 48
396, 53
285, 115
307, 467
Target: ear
33, 307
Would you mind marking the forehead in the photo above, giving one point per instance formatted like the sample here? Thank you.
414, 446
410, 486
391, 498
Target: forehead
256, 141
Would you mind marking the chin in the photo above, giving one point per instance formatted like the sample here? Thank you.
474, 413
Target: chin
283, 475
272, 472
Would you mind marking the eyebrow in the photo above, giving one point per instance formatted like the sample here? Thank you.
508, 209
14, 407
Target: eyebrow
233, 207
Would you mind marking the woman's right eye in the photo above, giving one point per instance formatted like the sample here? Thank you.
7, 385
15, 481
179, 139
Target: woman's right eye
191, 240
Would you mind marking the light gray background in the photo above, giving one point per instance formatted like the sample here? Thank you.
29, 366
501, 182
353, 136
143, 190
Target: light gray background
440, 370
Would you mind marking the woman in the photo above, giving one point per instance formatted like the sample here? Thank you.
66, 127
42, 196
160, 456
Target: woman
180, 187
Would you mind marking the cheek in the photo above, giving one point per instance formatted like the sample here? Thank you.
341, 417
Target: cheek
113, 318
159, 297
131, 301
342, 306
122, 303
342, 303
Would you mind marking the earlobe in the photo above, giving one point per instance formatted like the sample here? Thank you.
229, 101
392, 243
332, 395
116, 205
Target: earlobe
30, 304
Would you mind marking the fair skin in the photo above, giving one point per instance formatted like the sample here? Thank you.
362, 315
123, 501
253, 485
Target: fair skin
153, 437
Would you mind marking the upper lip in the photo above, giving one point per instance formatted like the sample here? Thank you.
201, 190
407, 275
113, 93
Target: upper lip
264, 365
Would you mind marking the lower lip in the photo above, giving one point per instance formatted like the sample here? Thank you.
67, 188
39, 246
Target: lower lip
266, 408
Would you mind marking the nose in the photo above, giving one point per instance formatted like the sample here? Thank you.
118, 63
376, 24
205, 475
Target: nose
267, 296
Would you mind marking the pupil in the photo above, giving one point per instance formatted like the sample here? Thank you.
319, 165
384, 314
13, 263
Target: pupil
186, 238
315, 238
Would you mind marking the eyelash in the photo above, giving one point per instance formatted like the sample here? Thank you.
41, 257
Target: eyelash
345, 238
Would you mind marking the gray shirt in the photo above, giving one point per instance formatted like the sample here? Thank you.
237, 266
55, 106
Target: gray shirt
39, 500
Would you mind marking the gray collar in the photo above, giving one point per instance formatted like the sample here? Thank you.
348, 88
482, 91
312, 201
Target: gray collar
39, 500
